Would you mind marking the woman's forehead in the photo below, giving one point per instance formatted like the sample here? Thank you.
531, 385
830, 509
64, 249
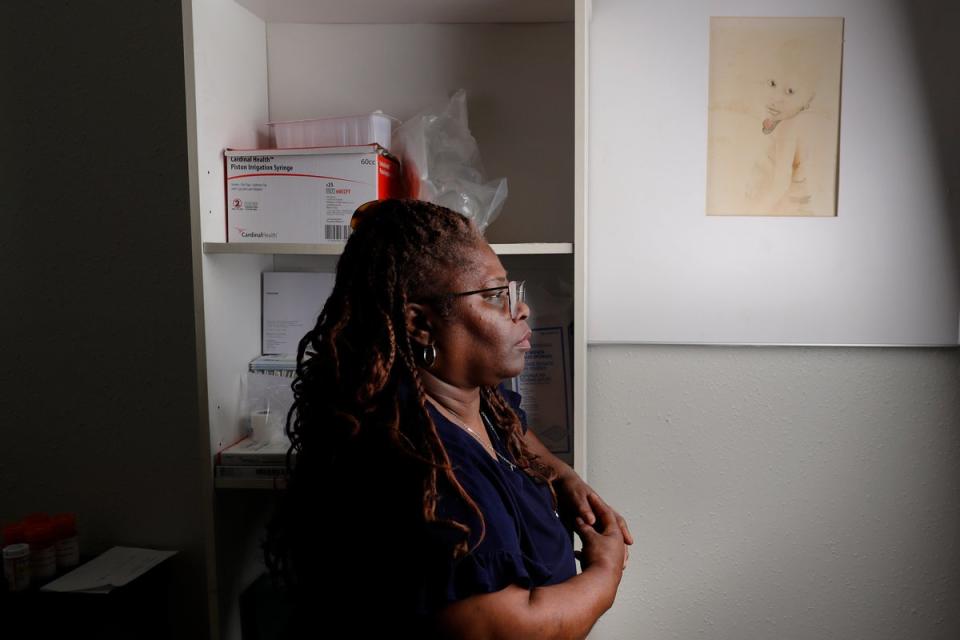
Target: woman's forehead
482, 269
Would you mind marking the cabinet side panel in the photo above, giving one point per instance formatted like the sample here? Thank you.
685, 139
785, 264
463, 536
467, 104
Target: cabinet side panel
225, 77
230, 65
230, 87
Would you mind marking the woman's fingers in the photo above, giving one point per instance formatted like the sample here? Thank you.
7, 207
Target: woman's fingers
577, 494
583, 506
620, 521
584, 530
607, 517
627, 536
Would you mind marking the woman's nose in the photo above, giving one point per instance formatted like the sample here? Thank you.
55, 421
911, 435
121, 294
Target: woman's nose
523, 311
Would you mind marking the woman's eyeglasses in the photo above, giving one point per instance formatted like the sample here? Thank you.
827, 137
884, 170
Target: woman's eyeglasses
515, 295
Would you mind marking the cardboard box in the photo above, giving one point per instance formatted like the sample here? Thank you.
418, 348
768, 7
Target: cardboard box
304, 195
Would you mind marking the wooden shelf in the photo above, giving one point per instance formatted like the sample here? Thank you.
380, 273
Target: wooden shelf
267, 248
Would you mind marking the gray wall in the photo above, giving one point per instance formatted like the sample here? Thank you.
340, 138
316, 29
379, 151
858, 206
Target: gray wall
98, 379
790, 493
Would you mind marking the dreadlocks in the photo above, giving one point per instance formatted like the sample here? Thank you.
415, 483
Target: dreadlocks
356, 435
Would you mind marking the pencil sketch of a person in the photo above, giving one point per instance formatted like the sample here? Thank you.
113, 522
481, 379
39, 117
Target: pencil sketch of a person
773, 116
779, 178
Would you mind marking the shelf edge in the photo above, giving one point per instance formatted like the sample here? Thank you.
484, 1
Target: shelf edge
266, 248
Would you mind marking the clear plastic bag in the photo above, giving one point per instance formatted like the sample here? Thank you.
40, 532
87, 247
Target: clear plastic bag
265, 401
442, 163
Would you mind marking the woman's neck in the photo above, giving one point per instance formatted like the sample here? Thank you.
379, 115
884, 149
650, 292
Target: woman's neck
464, 404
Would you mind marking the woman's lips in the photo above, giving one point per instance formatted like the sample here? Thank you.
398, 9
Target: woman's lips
524, 342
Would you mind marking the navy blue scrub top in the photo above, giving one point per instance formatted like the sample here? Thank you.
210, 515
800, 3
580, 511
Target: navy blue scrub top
525, 542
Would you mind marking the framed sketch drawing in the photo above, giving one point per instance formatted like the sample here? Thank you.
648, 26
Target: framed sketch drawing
774, 116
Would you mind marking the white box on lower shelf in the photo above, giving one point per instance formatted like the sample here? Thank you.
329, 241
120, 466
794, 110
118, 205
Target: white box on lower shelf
250, 464
249, 452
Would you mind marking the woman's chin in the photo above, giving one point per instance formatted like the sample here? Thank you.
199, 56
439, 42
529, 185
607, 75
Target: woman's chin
515, 368
519, 368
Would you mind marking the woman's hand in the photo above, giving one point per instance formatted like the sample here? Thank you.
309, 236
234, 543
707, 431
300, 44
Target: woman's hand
603, 542
573, 494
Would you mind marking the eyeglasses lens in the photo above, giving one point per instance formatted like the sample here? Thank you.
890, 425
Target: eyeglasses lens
516, 296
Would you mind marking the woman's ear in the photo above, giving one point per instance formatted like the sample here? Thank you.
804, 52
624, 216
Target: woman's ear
419, 326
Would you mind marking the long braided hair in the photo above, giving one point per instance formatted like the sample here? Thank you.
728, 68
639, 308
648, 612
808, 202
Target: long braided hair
360, 417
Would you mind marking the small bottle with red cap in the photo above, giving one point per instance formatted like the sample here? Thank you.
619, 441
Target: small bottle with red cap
16, 557
67, 541
41, 535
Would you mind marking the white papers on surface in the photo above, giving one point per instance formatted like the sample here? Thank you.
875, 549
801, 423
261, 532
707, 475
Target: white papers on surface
291, 304
249, 452
109, 570
544, 387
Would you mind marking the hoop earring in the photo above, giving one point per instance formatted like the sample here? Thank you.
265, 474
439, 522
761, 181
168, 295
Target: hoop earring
428, 355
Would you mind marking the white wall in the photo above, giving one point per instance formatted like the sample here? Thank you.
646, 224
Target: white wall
885, 271
790, 493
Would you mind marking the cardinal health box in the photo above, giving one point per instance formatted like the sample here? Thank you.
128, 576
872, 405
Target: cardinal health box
304, 195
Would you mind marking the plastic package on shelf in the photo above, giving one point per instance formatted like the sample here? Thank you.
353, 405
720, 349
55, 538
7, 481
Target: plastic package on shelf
442, 163
344, 131
265, 401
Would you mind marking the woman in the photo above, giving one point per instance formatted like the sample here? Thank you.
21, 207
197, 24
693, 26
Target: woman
420, 505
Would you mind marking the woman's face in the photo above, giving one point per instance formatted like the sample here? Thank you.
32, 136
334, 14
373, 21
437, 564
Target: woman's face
480, 344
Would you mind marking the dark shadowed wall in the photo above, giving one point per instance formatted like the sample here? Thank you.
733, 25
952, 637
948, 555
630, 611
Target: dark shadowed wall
98, 383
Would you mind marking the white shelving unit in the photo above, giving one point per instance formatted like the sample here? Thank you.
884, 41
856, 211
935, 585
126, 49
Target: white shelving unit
523, 65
